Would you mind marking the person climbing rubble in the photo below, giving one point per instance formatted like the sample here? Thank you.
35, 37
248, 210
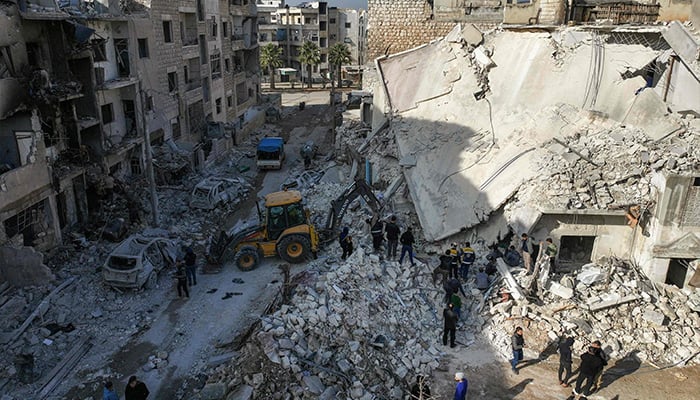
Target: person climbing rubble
136, 390
462, 386
526, 252
190, 266
452, 286
407, 241
517, 343
392, 237
342, 240
551, 250
181, 277
565, 361
445, 260
457, 302
349, 247
420, 389
512, 257
591, 364
482, 280
450, 326
468, 258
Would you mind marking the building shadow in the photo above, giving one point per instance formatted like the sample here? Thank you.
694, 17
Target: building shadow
624, 366
520, 387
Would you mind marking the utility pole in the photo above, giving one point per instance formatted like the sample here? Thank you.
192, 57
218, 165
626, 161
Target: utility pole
149, 159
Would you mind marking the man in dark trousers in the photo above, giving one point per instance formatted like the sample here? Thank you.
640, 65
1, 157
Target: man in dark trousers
377, 234
136, 390
591, 364
454, 261
468, 258
191, 266
450, 325
407, 241
392, 237
181, 277
598, 381
451, 287
565, 361
517, 342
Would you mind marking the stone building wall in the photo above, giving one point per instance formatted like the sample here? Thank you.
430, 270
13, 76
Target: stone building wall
401, 25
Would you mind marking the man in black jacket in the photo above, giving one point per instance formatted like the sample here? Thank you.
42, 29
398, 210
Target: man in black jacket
377, 234
565, 361
407, 241
591, 364
392, 237
136, 390
450, 325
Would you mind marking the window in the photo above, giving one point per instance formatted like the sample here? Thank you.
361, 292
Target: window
143, 48
176, 130
227, 64
149, 103
205, 89
215, 66
167, 32
218, 105
348, 25
224, 29
99, 51
214, 27
229, 101
107, 113
172, 81
203, 50
200, 10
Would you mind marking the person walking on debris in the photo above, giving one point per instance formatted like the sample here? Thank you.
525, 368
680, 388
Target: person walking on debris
341, 240
452, 286
392, 237
468, 258
526, 251
377, 235
407, 241
462, 386
450, 327
349, 247
420, 389
517, 342
591, 364
454, 261
565, 361
482, 280
191, 266
181, 277
551, 251
108, 392
598, 379
512, 257
457, 303
445, 260
136, 390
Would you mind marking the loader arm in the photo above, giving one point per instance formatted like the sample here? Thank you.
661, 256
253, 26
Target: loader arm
227, 240
340, 205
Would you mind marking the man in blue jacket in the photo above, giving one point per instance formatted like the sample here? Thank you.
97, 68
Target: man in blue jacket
108, 392
462, 385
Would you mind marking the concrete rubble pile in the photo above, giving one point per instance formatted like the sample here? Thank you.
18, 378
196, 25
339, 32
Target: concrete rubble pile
611, 167
612, 302
362, 329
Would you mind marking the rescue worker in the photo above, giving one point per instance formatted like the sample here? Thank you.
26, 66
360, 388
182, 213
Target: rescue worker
468, 258
454, 261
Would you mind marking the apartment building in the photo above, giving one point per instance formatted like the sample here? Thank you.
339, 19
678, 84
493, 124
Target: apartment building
290, 26
83, 83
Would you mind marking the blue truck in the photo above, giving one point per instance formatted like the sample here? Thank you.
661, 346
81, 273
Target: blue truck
270, 153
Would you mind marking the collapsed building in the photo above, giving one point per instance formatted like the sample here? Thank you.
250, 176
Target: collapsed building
88, 87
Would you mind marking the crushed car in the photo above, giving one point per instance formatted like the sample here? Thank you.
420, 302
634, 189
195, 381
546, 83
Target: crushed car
211, 192
136, 262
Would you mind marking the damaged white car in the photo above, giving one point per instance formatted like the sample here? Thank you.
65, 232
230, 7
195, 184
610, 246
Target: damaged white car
136, 262
211, 192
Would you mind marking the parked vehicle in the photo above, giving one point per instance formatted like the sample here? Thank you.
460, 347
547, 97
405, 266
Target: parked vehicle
270, 153
136, 262
212, 191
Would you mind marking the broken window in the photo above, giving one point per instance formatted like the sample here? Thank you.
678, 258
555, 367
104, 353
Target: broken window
348, 25
121, 47
227, 64
332, 21
149, 103
677, 271
218, 105
167, 31
143, 48
32, 223
25, 142
205, 89
172, 81
576, 249
99, 50
203, 58
214, 27
224, 29
129, 116
107, 113
7, 67
215, 66
229, 101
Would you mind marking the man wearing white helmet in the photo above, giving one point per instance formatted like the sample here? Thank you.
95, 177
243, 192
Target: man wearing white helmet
462, 385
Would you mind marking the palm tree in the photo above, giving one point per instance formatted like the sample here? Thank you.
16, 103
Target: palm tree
309, 55
271, 58
338, 55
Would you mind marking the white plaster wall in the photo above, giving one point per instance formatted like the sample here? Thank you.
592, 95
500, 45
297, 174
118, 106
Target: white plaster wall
115, 130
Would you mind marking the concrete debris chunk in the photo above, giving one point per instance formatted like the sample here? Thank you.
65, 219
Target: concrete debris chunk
654, 317
590, 274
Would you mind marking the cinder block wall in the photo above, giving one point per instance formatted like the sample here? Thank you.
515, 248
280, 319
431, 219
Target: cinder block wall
398, 25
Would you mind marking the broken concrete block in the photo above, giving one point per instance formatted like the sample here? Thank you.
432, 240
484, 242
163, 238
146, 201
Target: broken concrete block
313, 384
590, 274
482, 57
472, 35
654, 317
560, 290
243, 392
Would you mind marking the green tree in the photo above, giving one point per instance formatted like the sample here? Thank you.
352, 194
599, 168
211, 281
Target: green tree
309, 55
271, 58
338, 55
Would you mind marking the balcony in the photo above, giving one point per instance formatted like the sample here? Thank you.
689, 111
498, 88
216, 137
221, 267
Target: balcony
117, 83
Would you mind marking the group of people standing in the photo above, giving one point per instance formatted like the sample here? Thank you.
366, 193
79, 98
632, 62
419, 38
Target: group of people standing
135, 390
186, 272
383, 230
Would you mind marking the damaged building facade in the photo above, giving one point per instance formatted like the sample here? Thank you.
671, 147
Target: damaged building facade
83, 84
557, 133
